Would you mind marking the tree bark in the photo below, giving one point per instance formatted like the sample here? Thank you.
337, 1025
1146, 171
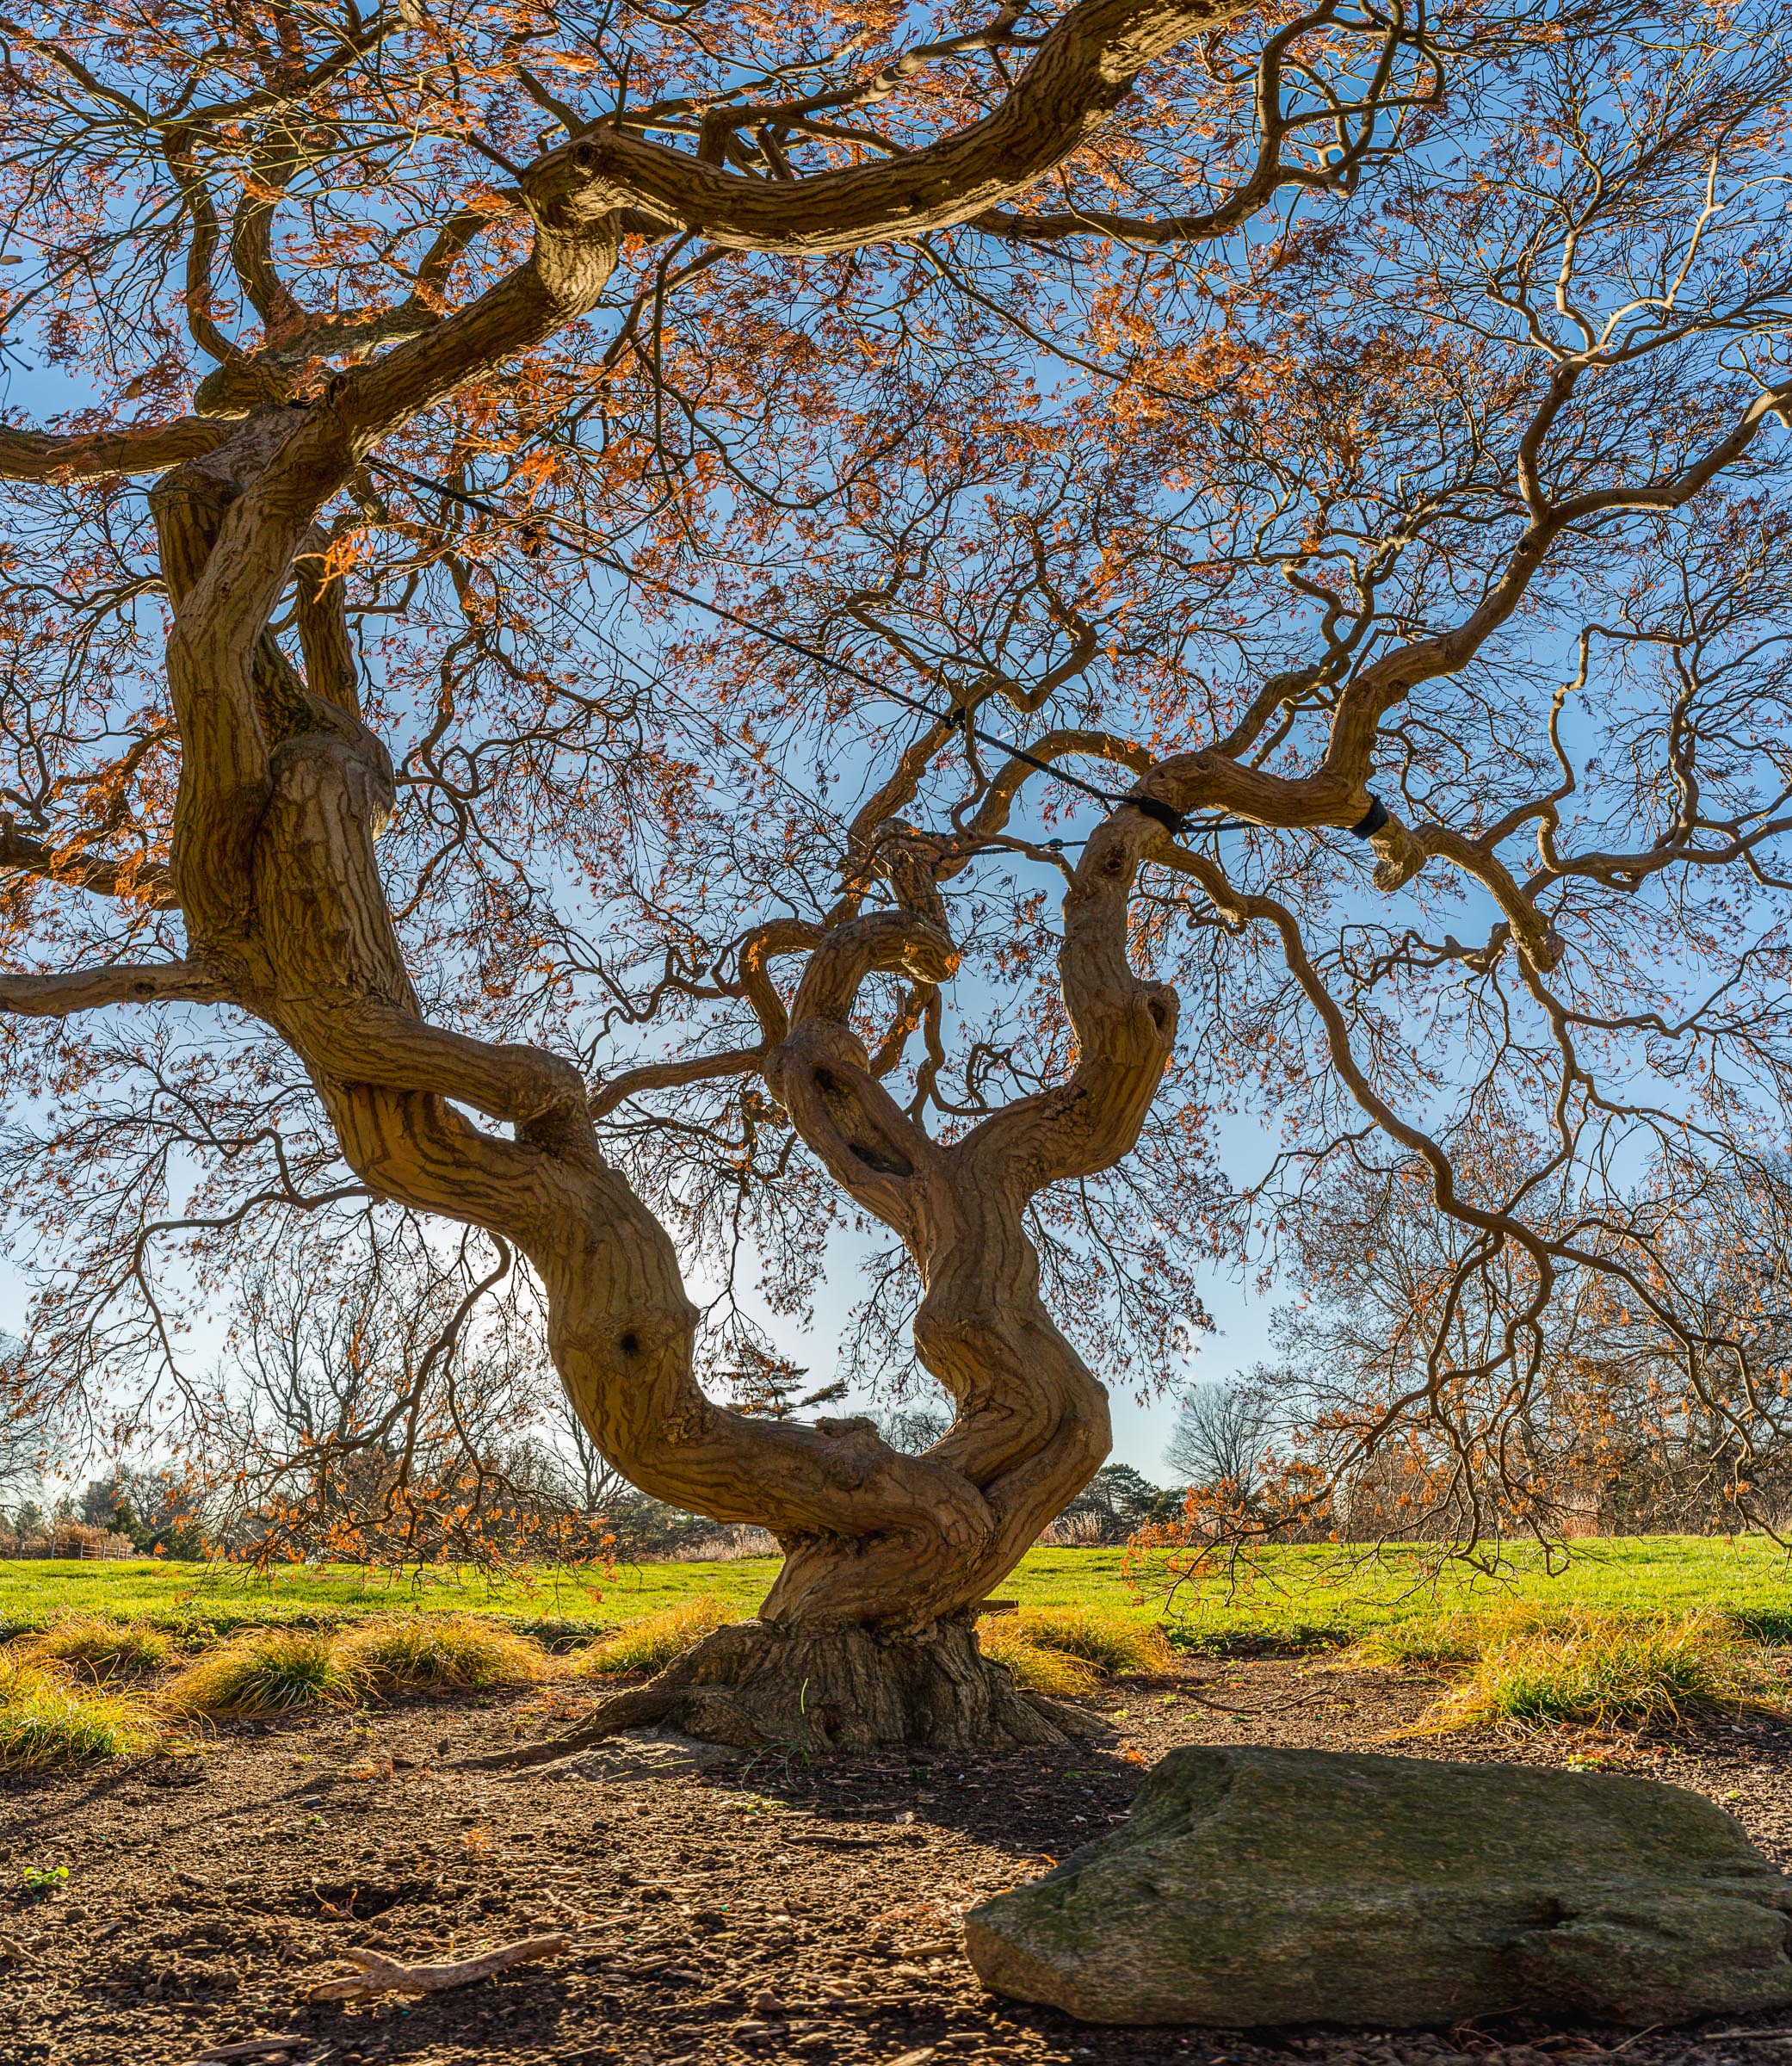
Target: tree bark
868, 1634
825, 1690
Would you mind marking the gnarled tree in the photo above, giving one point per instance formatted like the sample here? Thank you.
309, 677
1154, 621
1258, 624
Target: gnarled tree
1009, 501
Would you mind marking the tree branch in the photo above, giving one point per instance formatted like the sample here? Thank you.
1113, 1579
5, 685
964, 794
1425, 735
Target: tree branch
668, 1075
115, 983
147, 881
79, 455
1085, 67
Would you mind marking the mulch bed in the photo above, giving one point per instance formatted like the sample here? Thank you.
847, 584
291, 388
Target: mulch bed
739, 1910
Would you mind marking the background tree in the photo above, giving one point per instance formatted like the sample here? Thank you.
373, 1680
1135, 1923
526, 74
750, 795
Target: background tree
1226, 1439
156, 1511
914, 1429
1609, 1438
1113, 1506
27, 1443
740, 610
389, 1400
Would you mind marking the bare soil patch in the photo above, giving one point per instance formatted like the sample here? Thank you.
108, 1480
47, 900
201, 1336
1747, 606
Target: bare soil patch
722, 1908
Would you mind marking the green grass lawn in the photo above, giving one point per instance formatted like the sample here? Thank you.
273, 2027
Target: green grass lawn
1287, 1597
228, 1596
1324, 1595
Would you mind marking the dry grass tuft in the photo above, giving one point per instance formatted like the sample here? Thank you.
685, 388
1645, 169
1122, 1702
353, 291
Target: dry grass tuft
440, 1649
1068, 1651
267, 1671
100, 1649
1602, 1670
1114, 1645
1035, 1668
46, 1721
1458, 1639
652, 1642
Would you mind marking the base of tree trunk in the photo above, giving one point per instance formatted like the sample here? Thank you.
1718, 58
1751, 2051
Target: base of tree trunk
756, 1684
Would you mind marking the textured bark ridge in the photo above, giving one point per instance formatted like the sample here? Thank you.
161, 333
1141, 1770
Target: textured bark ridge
857, 1689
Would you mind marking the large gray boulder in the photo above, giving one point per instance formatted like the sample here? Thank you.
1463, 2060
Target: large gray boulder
1254, 1886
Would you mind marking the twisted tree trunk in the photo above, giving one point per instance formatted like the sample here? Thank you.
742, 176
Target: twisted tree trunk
866, 1636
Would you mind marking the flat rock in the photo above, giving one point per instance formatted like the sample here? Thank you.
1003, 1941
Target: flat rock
1259, 1886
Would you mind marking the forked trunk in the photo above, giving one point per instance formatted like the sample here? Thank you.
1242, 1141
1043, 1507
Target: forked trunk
868, 1637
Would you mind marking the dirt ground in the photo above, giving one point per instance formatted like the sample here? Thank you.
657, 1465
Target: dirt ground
760, 1911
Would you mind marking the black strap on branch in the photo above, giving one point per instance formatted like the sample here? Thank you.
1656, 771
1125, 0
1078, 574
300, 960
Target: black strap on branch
1170, 818
1372, 824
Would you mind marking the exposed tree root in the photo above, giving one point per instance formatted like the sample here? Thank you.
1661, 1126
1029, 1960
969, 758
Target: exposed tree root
381, 1975
758, 1683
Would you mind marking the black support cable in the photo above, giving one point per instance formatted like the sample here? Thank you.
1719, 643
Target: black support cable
1174, 822
1164, 813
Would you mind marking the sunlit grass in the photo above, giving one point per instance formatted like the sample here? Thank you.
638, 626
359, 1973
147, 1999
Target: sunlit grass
652, 1642
267, 1671
198, 1603
97, 1646
440, 1649
1324, 1596
1457, 1639
1307, 1596
1067, 1652
1035, 1667
45, 1720
1116, 1645
1610, 1670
